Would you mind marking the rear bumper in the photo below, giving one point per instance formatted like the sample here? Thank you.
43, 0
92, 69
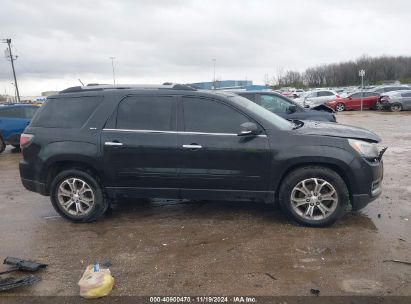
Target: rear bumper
29, 179
34, 186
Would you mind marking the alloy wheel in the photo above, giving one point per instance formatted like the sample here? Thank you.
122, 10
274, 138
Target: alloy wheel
75, 196
314, 199
340, 107
396, 108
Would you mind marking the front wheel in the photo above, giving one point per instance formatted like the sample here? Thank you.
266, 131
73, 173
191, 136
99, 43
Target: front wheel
396, 107
378, 106
77, 196
314, 196
340, 107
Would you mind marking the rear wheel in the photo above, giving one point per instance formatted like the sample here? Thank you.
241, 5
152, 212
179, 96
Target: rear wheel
396, 107
314, 196
77, 196
340, 107
2, 145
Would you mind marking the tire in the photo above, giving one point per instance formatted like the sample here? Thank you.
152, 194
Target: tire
327, 181
396, 107
2, 145
92, 201
340, 107
378, 106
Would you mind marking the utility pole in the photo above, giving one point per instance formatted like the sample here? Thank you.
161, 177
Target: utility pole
361, 73
112, 65
214, 84
8, 41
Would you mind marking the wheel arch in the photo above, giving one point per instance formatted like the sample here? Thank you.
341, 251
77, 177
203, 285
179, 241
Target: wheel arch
58, 166
335, 167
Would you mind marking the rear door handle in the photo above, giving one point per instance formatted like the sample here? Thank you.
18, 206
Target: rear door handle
113, 143
192, 146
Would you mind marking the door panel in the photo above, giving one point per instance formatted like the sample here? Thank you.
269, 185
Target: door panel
213, 157
141, 151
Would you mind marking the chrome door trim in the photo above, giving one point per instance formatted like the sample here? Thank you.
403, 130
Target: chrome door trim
175, 132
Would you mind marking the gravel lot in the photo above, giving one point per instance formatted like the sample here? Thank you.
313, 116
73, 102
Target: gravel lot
221, 248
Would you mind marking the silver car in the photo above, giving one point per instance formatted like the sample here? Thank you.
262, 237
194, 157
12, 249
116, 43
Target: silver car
315, 98
396, 100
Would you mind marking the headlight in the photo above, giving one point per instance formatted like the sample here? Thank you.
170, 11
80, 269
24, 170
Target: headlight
366, 149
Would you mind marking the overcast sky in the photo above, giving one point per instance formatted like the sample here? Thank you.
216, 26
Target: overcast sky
174, 40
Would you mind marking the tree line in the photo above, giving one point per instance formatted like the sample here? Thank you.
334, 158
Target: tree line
377, 69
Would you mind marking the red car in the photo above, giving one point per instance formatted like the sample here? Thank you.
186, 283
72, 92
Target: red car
353, 101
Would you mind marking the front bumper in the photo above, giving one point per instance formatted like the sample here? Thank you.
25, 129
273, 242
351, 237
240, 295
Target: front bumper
369, 180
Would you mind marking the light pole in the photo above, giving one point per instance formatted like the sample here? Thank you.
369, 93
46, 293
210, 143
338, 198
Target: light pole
214, 60
361, 73
112, 65
8, 41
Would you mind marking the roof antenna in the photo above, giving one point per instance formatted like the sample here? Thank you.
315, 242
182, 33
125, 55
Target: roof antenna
81, 82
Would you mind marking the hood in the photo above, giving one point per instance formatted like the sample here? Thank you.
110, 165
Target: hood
323, 108
337, 130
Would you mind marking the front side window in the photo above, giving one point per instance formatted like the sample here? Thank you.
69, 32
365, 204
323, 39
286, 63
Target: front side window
146, 113
312, 95
356, 95
210, 116
249, 96
408, 94
274, 103
325, 93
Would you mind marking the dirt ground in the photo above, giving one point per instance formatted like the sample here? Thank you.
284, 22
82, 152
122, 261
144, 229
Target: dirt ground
221, 248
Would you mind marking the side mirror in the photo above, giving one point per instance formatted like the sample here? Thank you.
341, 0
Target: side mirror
306, 106
292, 108
248, 129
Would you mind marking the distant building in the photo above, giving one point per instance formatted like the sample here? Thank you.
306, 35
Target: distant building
222, 84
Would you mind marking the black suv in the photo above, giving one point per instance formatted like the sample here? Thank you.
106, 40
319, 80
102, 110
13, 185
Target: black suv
89, 145
287, 108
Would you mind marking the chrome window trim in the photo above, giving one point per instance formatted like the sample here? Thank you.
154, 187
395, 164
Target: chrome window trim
175, 132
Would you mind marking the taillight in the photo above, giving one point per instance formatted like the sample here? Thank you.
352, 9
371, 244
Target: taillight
25, 140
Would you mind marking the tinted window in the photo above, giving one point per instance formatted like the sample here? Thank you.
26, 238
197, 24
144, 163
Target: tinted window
370, 94
325, 93
30, 111
274, 103
356, 95
65, 112
146, 113
313, 94
12, 112
249, 96
406, 94
205, 115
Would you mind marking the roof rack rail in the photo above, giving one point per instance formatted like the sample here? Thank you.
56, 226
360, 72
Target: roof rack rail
101, 87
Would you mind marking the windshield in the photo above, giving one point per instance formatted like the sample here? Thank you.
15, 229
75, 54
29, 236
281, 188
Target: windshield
278, 121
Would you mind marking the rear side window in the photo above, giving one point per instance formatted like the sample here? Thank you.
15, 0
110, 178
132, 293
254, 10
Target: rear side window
406, 94
12, 112
249, 96
66, 112
147, 113
209, 116
325, 93
30, 111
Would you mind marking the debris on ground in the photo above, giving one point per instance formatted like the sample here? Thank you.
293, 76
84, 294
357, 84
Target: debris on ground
315, 292
9, 283
398, 261
271, 276
19, 265
96, 282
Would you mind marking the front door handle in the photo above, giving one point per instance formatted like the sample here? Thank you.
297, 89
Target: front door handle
192, 146
113, 143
